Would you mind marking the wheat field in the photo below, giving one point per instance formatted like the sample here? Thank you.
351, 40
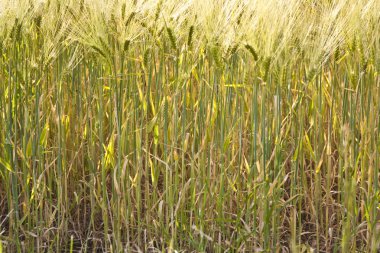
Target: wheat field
189, 126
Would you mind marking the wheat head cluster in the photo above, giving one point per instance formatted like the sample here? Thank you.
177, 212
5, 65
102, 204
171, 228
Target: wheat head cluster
189, 126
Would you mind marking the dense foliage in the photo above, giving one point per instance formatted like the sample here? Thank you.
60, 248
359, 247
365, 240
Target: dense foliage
189, 126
